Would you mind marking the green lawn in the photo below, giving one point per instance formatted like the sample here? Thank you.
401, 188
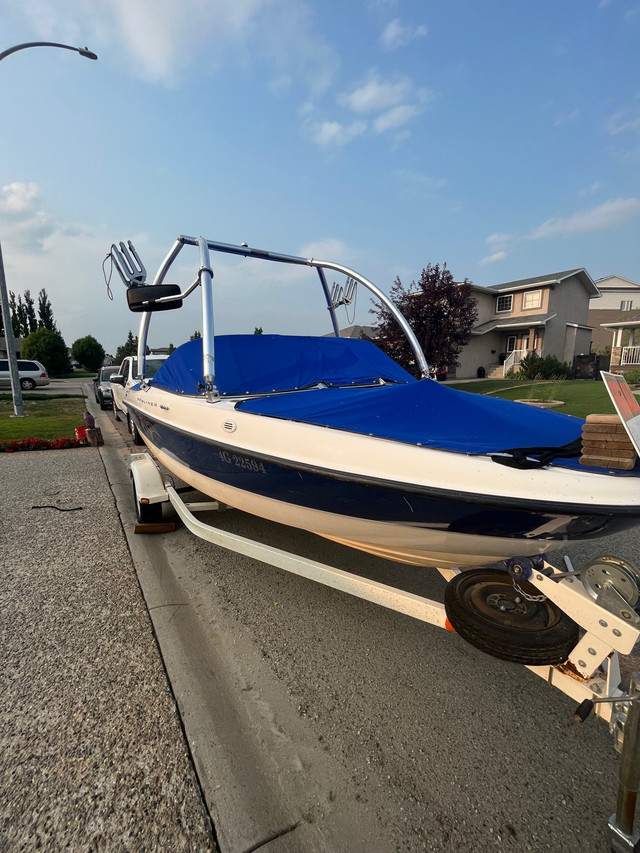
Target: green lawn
580, 397
47, 417
57, 416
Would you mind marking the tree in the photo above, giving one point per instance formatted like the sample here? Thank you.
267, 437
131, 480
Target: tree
195, 336
441, 313
31, 323
45, 312
18, 316
23, 313
88, 352
257, 330
48, 347
130, 347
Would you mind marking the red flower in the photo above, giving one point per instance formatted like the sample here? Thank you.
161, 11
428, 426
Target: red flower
15, 445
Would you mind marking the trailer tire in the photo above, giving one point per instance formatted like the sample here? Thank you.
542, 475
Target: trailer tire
146, 513
483, 606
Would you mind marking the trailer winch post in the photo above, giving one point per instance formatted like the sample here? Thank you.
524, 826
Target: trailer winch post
623, 838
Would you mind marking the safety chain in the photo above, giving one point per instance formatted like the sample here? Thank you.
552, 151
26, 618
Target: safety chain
526, 595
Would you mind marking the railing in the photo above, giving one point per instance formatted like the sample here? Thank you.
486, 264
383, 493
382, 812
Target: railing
630, 355
514, 358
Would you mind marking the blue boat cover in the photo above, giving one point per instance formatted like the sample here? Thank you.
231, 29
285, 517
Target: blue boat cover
424, 412
258, 364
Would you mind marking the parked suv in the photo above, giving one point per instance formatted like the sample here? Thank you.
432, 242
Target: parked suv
102, 386
123, 379
31, 374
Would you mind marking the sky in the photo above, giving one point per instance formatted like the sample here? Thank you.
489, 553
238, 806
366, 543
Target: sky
501, 138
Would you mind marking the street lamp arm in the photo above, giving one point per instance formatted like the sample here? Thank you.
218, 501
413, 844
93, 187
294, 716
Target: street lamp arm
83, 51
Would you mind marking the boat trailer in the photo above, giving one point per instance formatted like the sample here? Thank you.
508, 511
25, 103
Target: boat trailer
600, 598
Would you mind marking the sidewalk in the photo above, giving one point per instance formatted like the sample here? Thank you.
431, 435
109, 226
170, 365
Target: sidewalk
93, 752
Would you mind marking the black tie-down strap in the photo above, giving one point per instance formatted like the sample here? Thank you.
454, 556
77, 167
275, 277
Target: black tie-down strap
537, 457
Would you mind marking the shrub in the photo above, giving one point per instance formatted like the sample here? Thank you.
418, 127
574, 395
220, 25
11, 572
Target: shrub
533, 366
632, 376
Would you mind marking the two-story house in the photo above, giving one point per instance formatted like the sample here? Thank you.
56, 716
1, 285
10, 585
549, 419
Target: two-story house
616, 321
546, 314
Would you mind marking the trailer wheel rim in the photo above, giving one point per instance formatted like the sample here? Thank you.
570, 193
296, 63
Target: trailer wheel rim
497, 601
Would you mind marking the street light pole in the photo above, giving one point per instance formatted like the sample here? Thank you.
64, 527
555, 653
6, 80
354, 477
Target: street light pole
18, 406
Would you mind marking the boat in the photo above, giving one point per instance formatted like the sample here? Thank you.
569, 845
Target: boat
330, 435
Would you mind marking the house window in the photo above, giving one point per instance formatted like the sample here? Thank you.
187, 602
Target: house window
532, 299
626, 305
511, 343
503, 303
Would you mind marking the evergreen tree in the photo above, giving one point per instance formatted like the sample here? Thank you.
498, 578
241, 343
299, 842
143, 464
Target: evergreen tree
130, 347
18, 316
23, 314
15, 323
31, 323
45, 312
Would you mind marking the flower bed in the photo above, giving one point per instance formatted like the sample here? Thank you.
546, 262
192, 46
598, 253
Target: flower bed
19, 445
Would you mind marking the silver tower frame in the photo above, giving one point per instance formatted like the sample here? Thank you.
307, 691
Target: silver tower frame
205, 280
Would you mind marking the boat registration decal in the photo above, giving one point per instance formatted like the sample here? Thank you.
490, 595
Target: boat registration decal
242, 462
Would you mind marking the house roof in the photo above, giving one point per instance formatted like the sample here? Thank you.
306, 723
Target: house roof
513, 323
365, 332
632, 322
550, 278
616, 282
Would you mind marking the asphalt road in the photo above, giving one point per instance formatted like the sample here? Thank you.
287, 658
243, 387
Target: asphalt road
327, 723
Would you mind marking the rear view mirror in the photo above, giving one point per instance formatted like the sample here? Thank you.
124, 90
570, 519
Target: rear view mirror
145, 297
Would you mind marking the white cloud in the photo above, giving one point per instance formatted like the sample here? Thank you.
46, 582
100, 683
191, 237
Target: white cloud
494, 258
329, 249
396, 99
376, 94
396, 35
611, 213
163, 38
23, 219
498, 239
327, 133
620, 122
395, 117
